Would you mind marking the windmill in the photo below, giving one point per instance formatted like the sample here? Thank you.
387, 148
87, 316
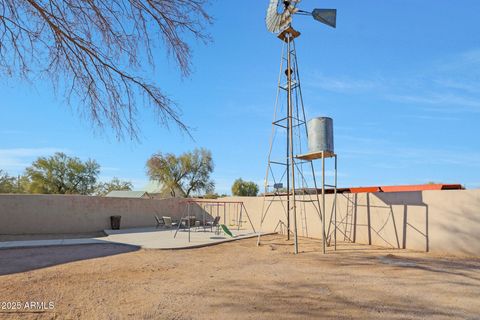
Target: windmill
277, 21
286, 159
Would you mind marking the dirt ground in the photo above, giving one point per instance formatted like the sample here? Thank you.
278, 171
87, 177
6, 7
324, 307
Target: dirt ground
238, 281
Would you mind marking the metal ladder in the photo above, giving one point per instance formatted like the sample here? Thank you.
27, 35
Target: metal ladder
349, 218
303, 217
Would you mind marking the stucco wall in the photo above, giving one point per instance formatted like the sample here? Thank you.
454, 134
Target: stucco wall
437, 221
40, 214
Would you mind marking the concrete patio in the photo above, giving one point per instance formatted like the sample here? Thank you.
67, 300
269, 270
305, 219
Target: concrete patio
146, 238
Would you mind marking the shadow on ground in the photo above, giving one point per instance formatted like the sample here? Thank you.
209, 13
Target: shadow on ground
26, 259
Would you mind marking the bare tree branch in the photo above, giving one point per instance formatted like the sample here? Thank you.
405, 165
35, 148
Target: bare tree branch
89, 49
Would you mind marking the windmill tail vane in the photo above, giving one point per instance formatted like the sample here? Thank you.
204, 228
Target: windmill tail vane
326, 16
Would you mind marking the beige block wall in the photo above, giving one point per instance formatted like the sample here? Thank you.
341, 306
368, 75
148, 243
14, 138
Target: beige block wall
437, 221
43, 214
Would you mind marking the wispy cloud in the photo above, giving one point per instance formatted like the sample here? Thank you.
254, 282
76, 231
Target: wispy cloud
460, 62
449, 85
440, 156
468, 86
403, 157
344, 84
17, 159
454, 102
12, 132
434, 117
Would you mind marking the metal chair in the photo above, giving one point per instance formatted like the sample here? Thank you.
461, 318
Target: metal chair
160, 221
168, 222
214, 224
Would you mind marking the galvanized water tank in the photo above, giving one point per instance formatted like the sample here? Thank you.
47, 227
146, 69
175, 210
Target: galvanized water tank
320, 135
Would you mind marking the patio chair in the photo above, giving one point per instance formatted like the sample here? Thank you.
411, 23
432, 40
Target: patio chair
160, 221
168, 222
197, 225
214, 224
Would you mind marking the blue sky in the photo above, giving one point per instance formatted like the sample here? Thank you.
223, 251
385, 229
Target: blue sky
400, 78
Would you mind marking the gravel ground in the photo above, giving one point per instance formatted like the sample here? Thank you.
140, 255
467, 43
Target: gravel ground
236, 281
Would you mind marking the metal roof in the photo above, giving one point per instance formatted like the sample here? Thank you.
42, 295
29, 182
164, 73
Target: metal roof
372, 189
128, 194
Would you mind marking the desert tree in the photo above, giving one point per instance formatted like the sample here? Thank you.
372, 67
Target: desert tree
92, 50
188, 172
61, 174
115, 184
13, 184
7, 183
244, 188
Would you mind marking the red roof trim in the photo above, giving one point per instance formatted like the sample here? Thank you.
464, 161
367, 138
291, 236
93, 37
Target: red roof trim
365, 189
407, 188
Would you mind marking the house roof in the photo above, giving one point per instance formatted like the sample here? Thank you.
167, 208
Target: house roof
156, 188
127, 194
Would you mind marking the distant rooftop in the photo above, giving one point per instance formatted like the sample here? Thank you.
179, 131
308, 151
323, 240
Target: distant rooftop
128, 194
157, 189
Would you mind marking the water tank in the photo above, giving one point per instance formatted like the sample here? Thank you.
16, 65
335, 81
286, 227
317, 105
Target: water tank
320, 135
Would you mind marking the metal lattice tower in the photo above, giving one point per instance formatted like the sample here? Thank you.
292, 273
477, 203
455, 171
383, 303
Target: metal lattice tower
288, 165
289, 180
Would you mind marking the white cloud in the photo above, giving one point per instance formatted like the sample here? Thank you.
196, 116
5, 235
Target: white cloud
16, 159
434, 117
461, 62
410, 156
451, 85
13, 132
344, 84
454, 102
465, 85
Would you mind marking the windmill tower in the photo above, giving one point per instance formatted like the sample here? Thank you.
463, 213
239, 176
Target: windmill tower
290, 176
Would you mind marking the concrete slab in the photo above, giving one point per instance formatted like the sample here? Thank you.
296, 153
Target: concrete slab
151, 238
147, 238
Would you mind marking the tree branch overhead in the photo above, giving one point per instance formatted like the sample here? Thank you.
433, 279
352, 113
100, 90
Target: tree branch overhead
91, 49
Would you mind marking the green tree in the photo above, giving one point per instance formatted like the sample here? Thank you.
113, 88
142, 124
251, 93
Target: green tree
61, 174
189, 172
10, 184
115, 184
244, 188
22, 184
7, 183
211, 195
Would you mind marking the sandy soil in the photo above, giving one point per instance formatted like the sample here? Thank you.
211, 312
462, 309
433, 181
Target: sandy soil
239, 281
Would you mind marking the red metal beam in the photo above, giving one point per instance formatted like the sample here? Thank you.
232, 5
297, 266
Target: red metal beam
420, 187
365, 189
406, 188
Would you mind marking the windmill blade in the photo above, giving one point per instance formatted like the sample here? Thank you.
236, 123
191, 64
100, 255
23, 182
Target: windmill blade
326, 16
277, 22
